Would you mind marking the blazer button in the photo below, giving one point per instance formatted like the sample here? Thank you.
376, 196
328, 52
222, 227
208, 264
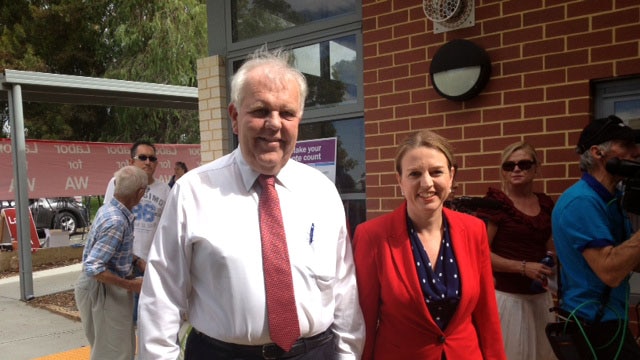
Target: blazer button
442, 339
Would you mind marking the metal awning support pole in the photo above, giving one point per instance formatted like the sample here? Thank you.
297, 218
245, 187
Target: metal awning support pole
20, 181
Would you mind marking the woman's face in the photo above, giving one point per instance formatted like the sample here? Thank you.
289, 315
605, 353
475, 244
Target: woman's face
520, 176
425, 181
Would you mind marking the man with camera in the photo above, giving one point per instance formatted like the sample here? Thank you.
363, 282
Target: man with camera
595, 244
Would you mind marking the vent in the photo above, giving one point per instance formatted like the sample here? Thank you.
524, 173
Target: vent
449, 14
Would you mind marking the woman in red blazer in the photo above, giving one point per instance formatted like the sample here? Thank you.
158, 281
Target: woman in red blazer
424, 271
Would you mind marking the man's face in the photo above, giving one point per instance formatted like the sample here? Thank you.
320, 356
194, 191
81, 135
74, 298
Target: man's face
145, 151
267, 120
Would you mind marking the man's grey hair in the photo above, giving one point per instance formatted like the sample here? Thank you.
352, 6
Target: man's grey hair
587, 161
129, 180
278, 59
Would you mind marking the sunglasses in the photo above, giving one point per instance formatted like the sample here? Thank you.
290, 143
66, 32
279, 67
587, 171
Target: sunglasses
145, 157
522, 165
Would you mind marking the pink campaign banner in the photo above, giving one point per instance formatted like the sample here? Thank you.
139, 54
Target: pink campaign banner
63, 168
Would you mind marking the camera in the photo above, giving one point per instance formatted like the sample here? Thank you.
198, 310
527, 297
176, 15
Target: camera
631, 171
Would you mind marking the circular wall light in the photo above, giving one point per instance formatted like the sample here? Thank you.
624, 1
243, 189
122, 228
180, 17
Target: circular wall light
459, 70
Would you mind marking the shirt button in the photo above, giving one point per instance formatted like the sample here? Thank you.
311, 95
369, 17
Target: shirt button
442, 339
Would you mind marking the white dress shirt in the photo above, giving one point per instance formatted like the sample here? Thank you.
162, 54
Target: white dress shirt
206, 260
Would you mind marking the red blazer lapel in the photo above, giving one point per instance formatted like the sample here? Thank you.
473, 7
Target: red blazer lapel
402, 255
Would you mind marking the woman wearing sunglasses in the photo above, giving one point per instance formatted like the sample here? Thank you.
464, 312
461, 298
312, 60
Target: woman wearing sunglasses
520, 236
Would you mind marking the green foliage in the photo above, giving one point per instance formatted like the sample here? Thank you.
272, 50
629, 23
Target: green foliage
155, 41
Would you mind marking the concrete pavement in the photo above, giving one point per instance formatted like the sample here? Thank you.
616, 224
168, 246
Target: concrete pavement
27, 332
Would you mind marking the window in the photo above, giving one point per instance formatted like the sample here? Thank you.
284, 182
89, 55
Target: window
253, 18
619, 97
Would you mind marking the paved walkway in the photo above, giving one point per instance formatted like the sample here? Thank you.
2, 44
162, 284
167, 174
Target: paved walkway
28, 332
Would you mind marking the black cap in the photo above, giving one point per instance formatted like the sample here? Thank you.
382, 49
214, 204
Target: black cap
606, 129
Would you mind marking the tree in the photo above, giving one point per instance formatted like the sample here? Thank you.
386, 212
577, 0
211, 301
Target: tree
139, 40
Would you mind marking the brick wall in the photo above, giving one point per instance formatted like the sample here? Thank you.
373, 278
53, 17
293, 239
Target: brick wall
544, 56
212, 107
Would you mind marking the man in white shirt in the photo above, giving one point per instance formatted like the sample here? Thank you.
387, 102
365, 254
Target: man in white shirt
206, 261
148, 211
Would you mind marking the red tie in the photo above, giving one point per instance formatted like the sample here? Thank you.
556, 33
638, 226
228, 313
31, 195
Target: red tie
281, 301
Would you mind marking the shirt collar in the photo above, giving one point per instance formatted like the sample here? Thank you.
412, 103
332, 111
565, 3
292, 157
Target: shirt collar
602, 191
126, 212
249, 176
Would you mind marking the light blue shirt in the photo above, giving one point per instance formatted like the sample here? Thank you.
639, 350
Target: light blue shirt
588, 216
110, 241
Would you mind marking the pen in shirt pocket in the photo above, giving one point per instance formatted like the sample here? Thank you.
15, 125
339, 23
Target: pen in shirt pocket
311, 233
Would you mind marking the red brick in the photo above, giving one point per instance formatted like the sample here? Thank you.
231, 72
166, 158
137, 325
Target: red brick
627, 33
505, 53
427, 122
501, 114
416, 12
497, 144
370, 50
542, 47
547, 108
559, 186
526, 126
370, 77
582, 105
543, 78
410, 56
378, 62
465, 146
519, 35
395, 125
394, 72
393, 45
419, 68
371, 102
546, 15
615, 52
523, 96
376, 36
566, 91
480, 160
567, 27
451, 133
551, 140
372, 154
566, 122
394, 99
502, 23
393, 18
524, 65
411, 110
486, 10
596, 71
515, 7
627, 67
590, 39
504, 83
566, 59
563, 155
482, 131
461, 118
378, 114
419, 96
410, 28
375, 8
381, 87
621, 4
484, 99
369, 24
379, 166
410, 83
582, 8
616, 18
